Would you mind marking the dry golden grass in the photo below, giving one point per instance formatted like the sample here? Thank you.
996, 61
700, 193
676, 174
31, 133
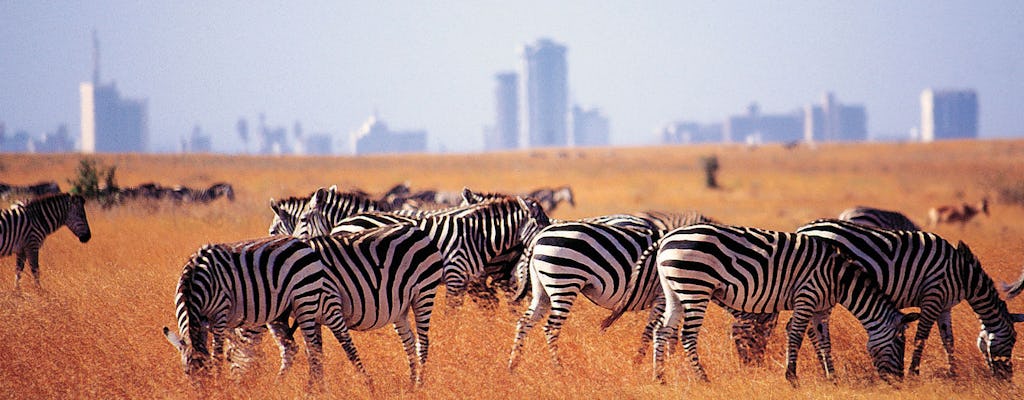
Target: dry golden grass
94, 330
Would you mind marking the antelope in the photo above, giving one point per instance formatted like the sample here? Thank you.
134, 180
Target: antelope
962, 213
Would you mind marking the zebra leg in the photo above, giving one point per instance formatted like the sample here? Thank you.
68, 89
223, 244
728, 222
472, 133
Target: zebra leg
336, 323
314, 354
946, 332
18, 267
422, 308
822, 341
243, 349
653, 324
930, 312
285, 343
667, 332
33, 263
795, 329
409, 345
696, 306
750, 332
539, 306
456, 285
561, 305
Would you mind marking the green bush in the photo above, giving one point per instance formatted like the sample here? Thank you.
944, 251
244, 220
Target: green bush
86, 182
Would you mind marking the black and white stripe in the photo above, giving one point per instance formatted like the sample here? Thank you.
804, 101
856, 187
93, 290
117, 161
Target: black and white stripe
471, 238
760, 271
920, 269
341, 205
572, 258
250, 284
24, 227
879, 218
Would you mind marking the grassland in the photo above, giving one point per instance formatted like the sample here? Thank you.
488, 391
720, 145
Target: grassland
94, 329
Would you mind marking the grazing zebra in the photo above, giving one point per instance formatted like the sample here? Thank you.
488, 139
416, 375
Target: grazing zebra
250, 284
760, 271
879, 218
342, 205
950, 214
24, 227
471, 238
920, 269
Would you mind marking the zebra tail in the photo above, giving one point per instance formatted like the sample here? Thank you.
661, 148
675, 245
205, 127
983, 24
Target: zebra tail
1014, 289
633, 288
522, 274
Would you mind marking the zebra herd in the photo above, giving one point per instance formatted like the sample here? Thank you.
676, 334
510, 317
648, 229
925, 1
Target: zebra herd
340, 259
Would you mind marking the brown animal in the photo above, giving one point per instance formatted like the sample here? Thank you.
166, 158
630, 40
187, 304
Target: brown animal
962, 213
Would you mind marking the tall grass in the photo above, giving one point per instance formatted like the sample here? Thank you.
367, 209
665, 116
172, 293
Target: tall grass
93, 330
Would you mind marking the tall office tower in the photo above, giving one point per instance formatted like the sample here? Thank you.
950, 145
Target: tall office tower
111, 124
832, 121
589, 127
545, 83
948, 114
505, 134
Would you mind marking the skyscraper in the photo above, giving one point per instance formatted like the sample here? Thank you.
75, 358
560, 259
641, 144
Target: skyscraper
505, 134
589, 127
832, 121
545, 82
948, 114
109, 122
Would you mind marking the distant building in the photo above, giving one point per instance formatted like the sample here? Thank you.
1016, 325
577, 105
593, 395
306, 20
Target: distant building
197, 142
504, 135
320, 144
374, 137
948, 114
832, 121
58, 141
546, 94
589, 127
754, 127
20, 142
111, 124
691, 133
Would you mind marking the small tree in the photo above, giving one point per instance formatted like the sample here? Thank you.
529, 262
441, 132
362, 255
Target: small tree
86, 182
710, 165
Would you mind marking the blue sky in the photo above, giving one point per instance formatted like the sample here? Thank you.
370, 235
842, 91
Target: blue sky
430, 65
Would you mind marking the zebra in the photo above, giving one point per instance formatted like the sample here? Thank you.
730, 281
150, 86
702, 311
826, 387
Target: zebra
761, 271
879, 218
215, 191
471, 238
24, 227
380, 275
343, 204
250, 284
920, 269
549, 198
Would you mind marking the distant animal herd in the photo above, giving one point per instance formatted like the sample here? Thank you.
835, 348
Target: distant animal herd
349, 260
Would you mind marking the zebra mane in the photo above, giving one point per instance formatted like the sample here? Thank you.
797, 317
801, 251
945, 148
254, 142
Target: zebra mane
47, 199
184, 298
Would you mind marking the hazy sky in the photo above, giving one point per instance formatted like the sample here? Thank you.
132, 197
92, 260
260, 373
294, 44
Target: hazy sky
430, 65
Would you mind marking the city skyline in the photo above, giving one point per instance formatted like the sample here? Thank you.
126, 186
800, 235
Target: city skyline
329, 65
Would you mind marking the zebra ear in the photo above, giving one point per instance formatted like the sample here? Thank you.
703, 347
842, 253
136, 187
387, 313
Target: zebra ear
910, 317
333, 188
317, 198
467, 195
174, 339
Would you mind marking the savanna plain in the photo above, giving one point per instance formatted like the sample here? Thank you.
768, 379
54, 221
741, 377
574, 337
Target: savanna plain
94, 328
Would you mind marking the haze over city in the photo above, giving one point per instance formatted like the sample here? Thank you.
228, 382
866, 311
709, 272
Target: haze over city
431, 67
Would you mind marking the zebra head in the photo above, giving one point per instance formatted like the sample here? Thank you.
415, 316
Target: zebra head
76, 220
887, 345
286, 214
193, 361
997, 336
312, 221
